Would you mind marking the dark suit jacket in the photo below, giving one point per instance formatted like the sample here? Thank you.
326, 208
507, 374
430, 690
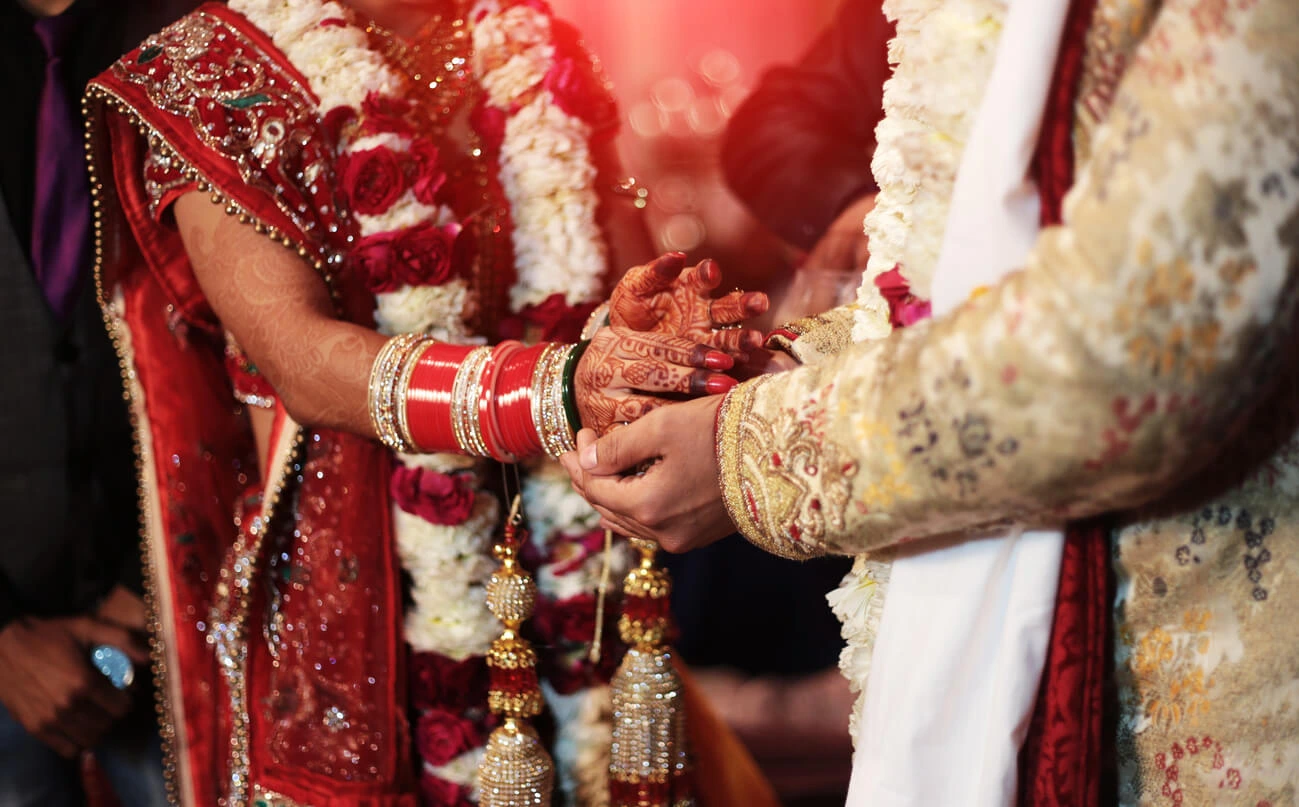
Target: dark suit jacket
68, 519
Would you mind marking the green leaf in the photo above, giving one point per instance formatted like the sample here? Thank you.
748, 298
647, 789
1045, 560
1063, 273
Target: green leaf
247, 101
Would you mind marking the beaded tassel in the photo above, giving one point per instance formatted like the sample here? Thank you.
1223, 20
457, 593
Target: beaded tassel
516, 769
649, 765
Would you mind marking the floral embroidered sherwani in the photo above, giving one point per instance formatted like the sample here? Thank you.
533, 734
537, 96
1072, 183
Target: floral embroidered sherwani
1140, 364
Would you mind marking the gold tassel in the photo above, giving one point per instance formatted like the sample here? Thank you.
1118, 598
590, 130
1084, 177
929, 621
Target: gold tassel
650, 761
516, 770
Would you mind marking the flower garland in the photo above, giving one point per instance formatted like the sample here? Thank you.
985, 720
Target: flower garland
943, 54
409, 238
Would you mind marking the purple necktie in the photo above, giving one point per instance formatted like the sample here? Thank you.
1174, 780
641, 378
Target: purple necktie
61, 215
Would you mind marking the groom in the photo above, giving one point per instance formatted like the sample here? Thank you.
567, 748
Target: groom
1138, 365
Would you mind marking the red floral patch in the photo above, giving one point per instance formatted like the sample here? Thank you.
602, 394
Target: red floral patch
425, 173
904, 307
372, 180
442, 736
386, 114
445, 499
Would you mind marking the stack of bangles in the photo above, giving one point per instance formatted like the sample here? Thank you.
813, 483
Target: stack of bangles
507, 402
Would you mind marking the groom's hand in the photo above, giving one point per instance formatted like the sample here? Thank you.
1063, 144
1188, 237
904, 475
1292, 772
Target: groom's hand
677, 500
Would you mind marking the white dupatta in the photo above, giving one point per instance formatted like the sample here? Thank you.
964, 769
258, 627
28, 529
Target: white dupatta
967, 618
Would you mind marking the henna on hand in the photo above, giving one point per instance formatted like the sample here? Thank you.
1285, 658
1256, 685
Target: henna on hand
625, 374
659, 297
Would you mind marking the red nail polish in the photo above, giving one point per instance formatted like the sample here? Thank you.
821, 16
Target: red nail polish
714, 360
719, 384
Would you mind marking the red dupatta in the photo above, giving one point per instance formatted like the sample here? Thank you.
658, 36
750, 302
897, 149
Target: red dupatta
275, 602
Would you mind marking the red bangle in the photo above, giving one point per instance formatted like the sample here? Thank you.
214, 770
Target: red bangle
487, 419
514, 403
428, 397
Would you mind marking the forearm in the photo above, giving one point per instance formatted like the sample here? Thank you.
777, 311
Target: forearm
281, 314
1104, 373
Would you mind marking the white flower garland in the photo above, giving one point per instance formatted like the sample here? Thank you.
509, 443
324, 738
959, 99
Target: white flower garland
943, 54
548, 176
546, 167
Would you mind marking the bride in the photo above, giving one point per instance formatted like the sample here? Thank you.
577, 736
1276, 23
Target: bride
312, 219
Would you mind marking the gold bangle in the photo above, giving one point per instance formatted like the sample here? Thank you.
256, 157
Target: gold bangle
464, 403
548, 414
387, 409
402, 390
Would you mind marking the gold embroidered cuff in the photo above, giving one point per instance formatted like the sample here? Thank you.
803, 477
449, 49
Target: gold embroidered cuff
744, 474
818, 337
730, 422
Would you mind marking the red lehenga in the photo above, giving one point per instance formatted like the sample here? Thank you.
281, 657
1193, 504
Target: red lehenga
276, 600
315, 714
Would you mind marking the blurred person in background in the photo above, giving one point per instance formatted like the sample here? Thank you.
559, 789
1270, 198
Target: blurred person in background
798, 154
69, 564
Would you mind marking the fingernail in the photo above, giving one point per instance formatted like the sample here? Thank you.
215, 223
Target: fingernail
716, 360
717, 385
587, 459
755, 302
708, 268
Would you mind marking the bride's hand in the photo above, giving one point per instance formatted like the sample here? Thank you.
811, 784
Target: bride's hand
667, 340
625, 374
659, 297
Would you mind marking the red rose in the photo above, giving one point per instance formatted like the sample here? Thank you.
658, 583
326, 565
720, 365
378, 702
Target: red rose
557, 320
373, 180
423, 254
373, 258
580, 93
436, 498
904, 307
489, 122
438, 681
438, 792
441, 736
426, 177
575, 84
386, 114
